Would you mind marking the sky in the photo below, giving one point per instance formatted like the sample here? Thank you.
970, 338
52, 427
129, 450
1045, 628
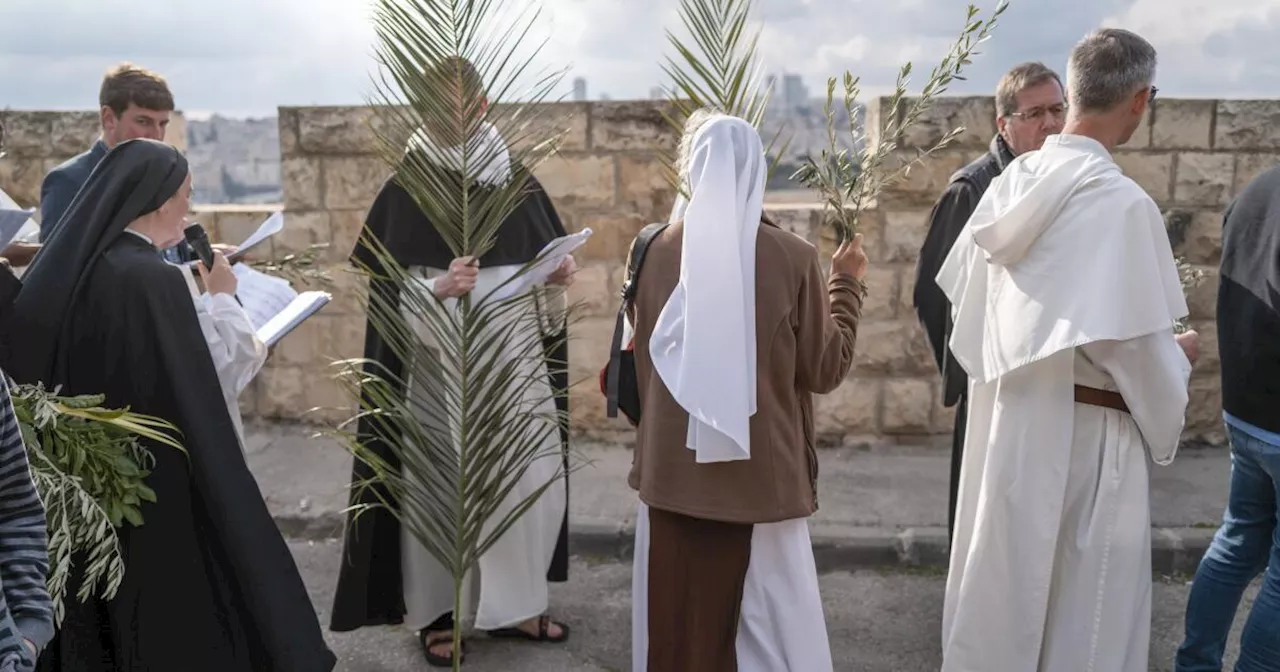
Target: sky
246, 57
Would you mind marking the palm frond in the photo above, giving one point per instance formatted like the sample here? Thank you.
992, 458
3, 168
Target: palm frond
469, 419
848, 181
717, 67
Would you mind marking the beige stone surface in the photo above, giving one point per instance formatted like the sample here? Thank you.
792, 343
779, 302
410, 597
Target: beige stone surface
883, 287
1249, 166
975, 114
352, 182
608, 176
926, 179
853, 408
1183, 124
908, 406
526, 126
301, 182
631, 125
1248, 124
579, 180
1142, 135
1153, 172
1204, 179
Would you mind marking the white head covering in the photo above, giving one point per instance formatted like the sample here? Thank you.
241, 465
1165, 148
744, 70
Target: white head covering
486, 147
704, 343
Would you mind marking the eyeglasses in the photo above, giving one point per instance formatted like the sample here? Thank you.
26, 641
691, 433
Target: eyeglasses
1151, 97
1037, 114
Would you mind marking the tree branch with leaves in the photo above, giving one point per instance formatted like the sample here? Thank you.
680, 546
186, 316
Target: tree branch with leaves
849, 181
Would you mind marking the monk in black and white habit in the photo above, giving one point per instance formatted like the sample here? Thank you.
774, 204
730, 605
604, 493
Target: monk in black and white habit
387, 576
209, 584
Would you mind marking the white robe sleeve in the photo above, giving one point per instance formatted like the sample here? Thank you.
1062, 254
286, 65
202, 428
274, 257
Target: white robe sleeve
553, 307
1151, 373
238, 353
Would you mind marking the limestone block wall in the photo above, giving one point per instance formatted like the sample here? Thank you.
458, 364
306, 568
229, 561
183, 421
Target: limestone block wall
37, 140
1192, 156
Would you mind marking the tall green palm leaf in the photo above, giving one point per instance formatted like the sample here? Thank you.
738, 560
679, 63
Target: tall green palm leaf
717, 67
471, 414
850, 181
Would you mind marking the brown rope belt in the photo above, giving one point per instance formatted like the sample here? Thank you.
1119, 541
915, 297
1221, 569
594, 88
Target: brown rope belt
1104, 398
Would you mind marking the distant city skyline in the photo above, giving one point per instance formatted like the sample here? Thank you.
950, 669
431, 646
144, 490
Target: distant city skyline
247, 57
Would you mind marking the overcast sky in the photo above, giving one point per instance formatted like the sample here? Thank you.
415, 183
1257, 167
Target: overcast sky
245, 57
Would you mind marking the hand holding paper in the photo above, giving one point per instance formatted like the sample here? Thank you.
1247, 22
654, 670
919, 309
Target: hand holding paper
274, 308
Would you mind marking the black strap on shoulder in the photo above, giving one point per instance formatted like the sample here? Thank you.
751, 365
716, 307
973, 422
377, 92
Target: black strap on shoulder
638, 248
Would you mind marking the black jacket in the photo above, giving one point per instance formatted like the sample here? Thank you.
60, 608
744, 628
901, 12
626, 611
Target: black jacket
1249, 304
950, 214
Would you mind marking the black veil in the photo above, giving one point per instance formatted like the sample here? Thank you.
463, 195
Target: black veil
134, 178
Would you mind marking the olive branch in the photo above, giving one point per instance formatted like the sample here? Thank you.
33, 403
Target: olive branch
850, 181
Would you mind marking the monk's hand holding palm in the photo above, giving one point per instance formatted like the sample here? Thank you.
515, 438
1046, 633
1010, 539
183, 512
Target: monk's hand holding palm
1190, 342
849, 258
459, 280
563, 275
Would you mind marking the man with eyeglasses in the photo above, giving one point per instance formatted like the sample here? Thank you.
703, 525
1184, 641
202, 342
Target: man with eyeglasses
1065, 298
1029, 108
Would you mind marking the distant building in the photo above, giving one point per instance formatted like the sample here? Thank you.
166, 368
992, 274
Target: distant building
579, 89
657, 93
794, 93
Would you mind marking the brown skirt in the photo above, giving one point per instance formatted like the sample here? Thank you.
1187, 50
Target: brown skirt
696, 572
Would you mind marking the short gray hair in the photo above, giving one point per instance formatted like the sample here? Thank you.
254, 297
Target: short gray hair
1108, 66
692, 125
1017, 80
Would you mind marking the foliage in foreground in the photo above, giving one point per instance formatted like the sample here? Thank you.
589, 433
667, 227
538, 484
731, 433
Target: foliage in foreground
89, 470
849, 181
471, 425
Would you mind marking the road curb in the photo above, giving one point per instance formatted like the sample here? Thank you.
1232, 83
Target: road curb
1174, 550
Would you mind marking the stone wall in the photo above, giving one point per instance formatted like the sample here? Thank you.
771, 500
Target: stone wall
1192, 156
36, 141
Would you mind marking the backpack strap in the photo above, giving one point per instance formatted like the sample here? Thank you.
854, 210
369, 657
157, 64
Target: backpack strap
638, 249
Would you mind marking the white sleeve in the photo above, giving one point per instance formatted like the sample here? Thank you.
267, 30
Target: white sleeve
238, 353
1151, 373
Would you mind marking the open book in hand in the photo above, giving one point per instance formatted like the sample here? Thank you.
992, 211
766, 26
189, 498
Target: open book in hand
274, 308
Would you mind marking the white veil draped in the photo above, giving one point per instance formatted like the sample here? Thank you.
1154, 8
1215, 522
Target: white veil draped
704, 343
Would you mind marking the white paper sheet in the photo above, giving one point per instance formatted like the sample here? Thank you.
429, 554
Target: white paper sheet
11, 222
28, 231
274, 308
303, 306
273, 225
263, 296
550, 258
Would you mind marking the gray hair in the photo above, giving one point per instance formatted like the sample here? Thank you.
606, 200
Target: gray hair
1107, 67
1017, 80
692, 125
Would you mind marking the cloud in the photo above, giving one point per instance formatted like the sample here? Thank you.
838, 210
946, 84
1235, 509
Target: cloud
248, 56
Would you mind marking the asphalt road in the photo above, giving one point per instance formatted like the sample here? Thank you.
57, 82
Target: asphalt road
878, 621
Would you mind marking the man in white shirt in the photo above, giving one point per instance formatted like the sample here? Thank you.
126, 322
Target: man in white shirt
1065, 294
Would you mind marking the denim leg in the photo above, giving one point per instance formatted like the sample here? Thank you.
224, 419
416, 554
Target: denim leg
1239, 551
1260, 642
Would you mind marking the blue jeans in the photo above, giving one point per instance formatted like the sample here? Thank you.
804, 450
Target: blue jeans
1247, 543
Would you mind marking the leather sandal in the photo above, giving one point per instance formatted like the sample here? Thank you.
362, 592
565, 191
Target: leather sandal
544, 624
443, 637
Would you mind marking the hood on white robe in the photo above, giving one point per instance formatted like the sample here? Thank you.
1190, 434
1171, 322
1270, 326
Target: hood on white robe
703, 345
1062, 250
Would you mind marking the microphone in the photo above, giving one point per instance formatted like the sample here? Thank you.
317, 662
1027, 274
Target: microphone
199, 241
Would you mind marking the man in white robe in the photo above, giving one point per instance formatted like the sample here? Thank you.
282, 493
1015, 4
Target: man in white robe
1065, 295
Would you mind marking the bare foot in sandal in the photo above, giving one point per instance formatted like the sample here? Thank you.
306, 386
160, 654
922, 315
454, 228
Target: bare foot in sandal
540, 629
437, 645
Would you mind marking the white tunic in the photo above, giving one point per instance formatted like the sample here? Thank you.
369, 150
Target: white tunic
511, 584
1063, 276
238, 354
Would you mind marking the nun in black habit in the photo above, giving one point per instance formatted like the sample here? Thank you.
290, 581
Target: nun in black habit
209, 583
374, 583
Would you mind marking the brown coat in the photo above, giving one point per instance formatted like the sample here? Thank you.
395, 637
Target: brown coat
806, 326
